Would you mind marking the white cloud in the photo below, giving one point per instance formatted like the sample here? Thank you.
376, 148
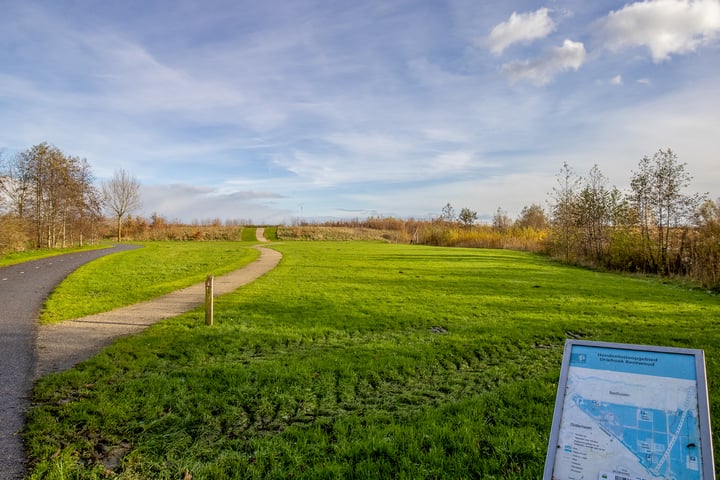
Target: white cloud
541, 71
341, 111
665, 27
520, 28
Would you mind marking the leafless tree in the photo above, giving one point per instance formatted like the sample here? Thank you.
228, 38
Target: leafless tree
501, 221
563, 210
448, 213
15, 182
121, 195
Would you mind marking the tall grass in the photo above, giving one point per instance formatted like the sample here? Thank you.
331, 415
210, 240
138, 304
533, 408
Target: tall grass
355, 360
443, 234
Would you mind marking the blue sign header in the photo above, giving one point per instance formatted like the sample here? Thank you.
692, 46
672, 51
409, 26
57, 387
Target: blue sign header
659, 364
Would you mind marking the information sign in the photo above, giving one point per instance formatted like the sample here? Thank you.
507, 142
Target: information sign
630, 412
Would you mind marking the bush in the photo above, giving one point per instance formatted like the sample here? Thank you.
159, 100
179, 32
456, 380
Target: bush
13, 234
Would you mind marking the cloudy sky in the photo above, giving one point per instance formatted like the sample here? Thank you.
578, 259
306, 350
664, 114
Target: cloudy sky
275, 110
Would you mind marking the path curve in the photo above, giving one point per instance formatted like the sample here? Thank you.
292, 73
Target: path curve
260, 234
23, 290
61, 346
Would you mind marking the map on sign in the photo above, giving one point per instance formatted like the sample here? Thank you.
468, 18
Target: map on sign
629, 415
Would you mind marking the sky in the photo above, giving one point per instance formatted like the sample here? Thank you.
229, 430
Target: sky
285, 111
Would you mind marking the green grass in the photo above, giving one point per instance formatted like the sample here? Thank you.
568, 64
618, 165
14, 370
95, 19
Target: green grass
132, 276
37, 254
249, 234
355, 360
270, 233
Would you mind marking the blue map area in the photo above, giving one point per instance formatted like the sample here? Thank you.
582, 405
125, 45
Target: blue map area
666, 443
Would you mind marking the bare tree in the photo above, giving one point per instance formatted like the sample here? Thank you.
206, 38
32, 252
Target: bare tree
85, 210
3, 196
121, 195
501, 221
16, 182
563, 210
448, 213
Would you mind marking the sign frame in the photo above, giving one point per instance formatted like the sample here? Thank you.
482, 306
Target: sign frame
707, 467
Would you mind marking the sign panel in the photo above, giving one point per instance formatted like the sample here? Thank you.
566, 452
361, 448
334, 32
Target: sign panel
630, 412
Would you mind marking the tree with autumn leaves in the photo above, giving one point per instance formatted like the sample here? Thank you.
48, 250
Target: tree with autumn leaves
49, 199
651, 229
49, 195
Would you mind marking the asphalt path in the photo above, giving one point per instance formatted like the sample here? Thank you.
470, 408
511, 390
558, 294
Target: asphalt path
23, 290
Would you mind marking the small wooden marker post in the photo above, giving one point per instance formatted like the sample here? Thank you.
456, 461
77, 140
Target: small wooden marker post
209, 300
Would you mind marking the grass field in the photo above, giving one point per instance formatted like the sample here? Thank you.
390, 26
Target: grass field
132, 276
356, 360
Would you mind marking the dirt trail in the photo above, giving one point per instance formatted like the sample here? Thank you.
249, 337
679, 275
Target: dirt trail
63, 345
260, 235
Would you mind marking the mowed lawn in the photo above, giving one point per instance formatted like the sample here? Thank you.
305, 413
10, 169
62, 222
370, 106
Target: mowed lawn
356, 360
133, 276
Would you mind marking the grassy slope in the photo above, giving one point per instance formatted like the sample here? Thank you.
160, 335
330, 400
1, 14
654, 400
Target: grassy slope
329, 367
129, 277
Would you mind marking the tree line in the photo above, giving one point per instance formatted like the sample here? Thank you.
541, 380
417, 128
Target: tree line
657, 227
49, 199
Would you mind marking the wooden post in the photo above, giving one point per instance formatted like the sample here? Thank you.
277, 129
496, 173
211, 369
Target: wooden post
209, 300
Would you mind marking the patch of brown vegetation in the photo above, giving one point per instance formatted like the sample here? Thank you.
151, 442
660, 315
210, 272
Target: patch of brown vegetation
318, 232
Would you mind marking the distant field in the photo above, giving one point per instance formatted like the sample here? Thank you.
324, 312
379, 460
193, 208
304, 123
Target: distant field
356, 360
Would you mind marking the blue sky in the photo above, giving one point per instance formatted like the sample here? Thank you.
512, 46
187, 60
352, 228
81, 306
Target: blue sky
274, 110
